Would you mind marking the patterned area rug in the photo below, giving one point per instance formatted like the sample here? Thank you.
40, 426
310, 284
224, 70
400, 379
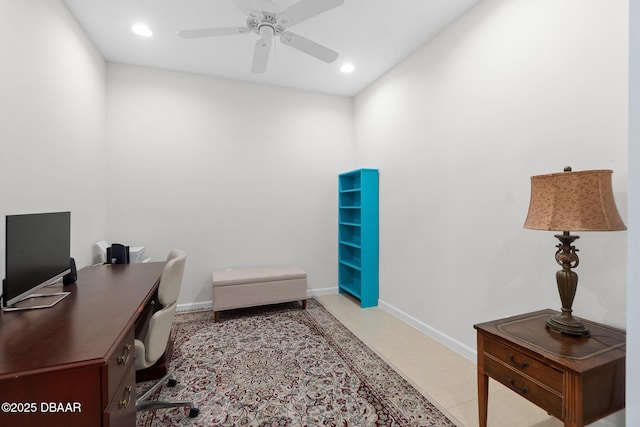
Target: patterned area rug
283, 366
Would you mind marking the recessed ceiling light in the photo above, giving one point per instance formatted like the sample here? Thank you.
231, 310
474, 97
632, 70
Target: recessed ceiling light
142, 30
347, 68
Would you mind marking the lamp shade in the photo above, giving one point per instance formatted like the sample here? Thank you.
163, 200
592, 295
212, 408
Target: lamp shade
573, 201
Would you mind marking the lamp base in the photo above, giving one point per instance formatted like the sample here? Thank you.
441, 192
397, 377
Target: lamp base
567, 325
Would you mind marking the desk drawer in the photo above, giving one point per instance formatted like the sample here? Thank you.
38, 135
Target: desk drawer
121, 411
536, 393
119, 362
522, 363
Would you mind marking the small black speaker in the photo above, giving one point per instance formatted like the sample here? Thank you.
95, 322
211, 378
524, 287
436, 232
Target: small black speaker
71, 277
118, 254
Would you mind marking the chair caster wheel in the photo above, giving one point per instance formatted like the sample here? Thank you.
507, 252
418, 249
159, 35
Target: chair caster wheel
193, 412
172, 382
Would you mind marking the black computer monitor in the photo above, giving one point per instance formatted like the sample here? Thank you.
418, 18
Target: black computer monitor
38, 248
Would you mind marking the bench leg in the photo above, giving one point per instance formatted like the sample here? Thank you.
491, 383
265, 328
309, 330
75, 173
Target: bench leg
304, 304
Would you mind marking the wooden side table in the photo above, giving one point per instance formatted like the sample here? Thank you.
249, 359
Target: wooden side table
578, 380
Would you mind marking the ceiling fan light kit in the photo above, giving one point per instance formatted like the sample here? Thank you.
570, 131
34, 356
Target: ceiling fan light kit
266, 32
269, 25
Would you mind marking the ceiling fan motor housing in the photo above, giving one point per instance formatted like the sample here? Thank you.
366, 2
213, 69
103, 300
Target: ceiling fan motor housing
267, 24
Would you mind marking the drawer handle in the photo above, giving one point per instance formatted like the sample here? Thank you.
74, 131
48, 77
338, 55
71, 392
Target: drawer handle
521, 365
124, 403
124, 356
521, 390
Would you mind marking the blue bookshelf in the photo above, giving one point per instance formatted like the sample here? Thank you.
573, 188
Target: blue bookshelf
358, 235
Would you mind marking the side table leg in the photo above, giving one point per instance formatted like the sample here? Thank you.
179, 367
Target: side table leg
483, 398
483, 384
573, 398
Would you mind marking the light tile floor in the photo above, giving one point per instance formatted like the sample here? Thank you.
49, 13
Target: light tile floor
448, 379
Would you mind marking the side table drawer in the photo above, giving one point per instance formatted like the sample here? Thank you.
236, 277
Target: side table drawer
520, 362
531, 390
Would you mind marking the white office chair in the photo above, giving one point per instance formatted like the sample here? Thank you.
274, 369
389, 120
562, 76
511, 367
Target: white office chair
151, 346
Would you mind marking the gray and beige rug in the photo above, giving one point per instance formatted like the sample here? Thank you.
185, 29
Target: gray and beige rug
283, 366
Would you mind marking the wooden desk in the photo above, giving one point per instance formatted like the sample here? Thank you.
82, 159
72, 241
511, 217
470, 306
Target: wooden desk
72, 364
578, 380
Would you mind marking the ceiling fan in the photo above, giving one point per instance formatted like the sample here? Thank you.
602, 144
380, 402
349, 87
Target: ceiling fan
264, 20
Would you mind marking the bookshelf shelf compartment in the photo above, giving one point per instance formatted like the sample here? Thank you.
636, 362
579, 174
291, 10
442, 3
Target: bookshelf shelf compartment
349, 181
350, 199
350, 216
350, 234
358, 235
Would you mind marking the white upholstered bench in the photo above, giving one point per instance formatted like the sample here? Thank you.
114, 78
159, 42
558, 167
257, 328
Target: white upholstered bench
248, 287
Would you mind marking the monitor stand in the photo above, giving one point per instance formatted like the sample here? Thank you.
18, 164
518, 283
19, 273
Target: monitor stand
34, 301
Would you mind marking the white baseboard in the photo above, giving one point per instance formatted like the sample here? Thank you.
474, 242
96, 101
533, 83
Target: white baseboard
322, 291
195, 306
453, 344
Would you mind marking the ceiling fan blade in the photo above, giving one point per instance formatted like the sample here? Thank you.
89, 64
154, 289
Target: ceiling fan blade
261, 56
213, 32
306, 9
309, 47
248, 5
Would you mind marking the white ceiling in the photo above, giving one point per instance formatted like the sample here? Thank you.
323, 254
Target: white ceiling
374, 35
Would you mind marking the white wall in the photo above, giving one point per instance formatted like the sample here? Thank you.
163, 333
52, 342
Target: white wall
515, 88
52, 121
236, 174
633, 283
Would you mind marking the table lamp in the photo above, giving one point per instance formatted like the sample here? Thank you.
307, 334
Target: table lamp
571, 201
